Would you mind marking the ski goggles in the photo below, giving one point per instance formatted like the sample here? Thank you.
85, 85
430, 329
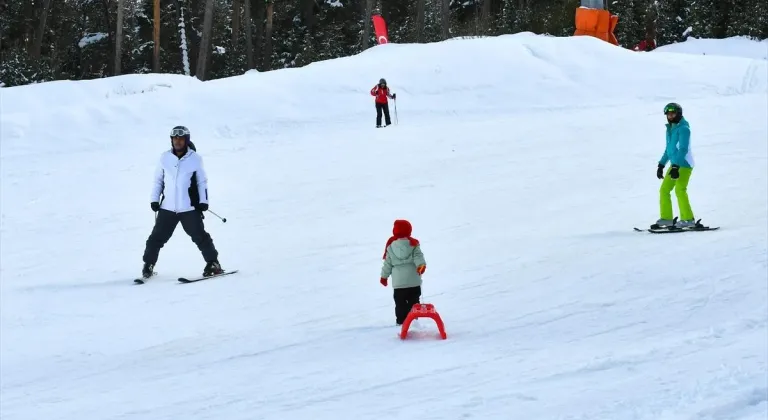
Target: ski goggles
669, 109
179, 132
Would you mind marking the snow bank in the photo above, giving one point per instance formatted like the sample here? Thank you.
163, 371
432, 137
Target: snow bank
507, 74
737, 46
50, 96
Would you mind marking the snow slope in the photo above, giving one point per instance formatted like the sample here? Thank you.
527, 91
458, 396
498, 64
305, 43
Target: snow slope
522, 161
736, 46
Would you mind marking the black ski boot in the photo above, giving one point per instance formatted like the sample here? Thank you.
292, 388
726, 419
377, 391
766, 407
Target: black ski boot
212, 268
148, 270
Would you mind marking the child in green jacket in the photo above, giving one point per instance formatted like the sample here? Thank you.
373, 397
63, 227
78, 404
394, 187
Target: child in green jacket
404, 261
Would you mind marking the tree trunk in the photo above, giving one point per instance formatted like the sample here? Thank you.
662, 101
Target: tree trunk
156, 36
28, 38
365, 42
486, 17
118, 37
367, 23
108, 26
40, 32
261, 15
248, 35
181, 6
445, 13
205, 41
236, 24
651, 18
268, 42
420, 20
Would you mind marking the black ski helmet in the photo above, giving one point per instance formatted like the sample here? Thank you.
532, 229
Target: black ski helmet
382, 81
676, 108
181, 131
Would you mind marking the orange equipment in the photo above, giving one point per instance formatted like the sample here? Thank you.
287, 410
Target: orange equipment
598, 23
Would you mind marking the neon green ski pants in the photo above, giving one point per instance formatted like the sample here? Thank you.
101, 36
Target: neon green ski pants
680, 185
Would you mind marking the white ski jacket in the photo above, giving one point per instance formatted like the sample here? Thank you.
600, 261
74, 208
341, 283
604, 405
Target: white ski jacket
182, 181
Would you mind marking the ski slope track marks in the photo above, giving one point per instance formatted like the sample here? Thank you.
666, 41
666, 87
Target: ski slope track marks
523, 163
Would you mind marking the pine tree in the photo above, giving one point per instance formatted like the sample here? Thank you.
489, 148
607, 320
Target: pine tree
78, 37
675, 22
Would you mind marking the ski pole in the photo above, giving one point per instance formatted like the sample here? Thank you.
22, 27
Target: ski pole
395, 111
223, 219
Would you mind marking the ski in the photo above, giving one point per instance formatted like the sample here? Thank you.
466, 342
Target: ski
195, 279
142, 280
678, 230
673, 229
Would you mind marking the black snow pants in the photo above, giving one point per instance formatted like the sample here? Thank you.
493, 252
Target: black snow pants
405, 298
385, 109
191, 221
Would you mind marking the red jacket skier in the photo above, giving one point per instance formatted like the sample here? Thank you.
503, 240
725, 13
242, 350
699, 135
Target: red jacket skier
645, 45
381, 92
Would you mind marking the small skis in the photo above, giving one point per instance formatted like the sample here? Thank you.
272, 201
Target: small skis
195, 279
674, 229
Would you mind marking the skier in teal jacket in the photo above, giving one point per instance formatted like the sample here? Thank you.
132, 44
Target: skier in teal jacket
677, 152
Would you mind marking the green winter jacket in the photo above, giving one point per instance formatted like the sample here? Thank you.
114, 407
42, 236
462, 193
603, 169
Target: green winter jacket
401, 262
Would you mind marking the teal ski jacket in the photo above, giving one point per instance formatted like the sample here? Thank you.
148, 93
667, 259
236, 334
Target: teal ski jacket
678, 148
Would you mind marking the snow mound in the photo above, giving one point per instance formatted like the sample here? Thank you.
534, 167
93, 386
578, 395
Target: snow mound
737, 46
517, 73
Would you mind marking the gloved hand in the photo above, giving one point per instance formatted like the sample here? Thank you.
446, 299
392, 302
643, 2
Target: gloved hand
421, 269
394, 96
674, 173
383, 282
155, 205
201, 206
660, 172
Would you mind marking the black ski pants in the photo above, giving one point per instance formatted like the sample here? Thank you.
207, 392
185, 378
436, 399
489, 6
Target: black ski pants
165, 224
405, 298
382, 108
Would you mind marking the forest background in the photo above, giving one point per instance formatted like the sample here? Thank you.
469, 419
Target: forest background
45, 40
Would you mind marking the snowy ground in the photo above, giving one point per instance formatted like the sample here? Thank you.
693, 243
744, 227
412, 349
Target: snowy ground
523, 163
737, 46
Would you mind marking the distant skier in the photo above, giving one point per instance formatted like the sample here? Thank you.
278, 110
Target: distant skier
678, 152
381, 92
181, 179
404, 261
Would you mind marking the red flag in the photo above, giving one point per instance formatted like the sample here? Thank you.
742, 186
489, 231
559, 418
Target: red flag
380, 26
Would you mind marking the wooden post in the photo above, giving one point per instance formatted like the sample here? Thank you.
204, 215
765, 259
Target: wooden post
156, 60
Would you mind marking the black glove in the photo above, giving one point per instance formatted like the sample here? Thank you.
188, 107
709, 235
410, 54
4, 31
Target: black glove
674, 173
155, 205
201, 207
394, 96
660, 172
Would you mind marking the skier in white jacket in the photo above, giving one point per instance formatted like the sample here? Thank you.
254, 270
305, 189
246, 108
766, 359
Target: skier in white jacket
183, 183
